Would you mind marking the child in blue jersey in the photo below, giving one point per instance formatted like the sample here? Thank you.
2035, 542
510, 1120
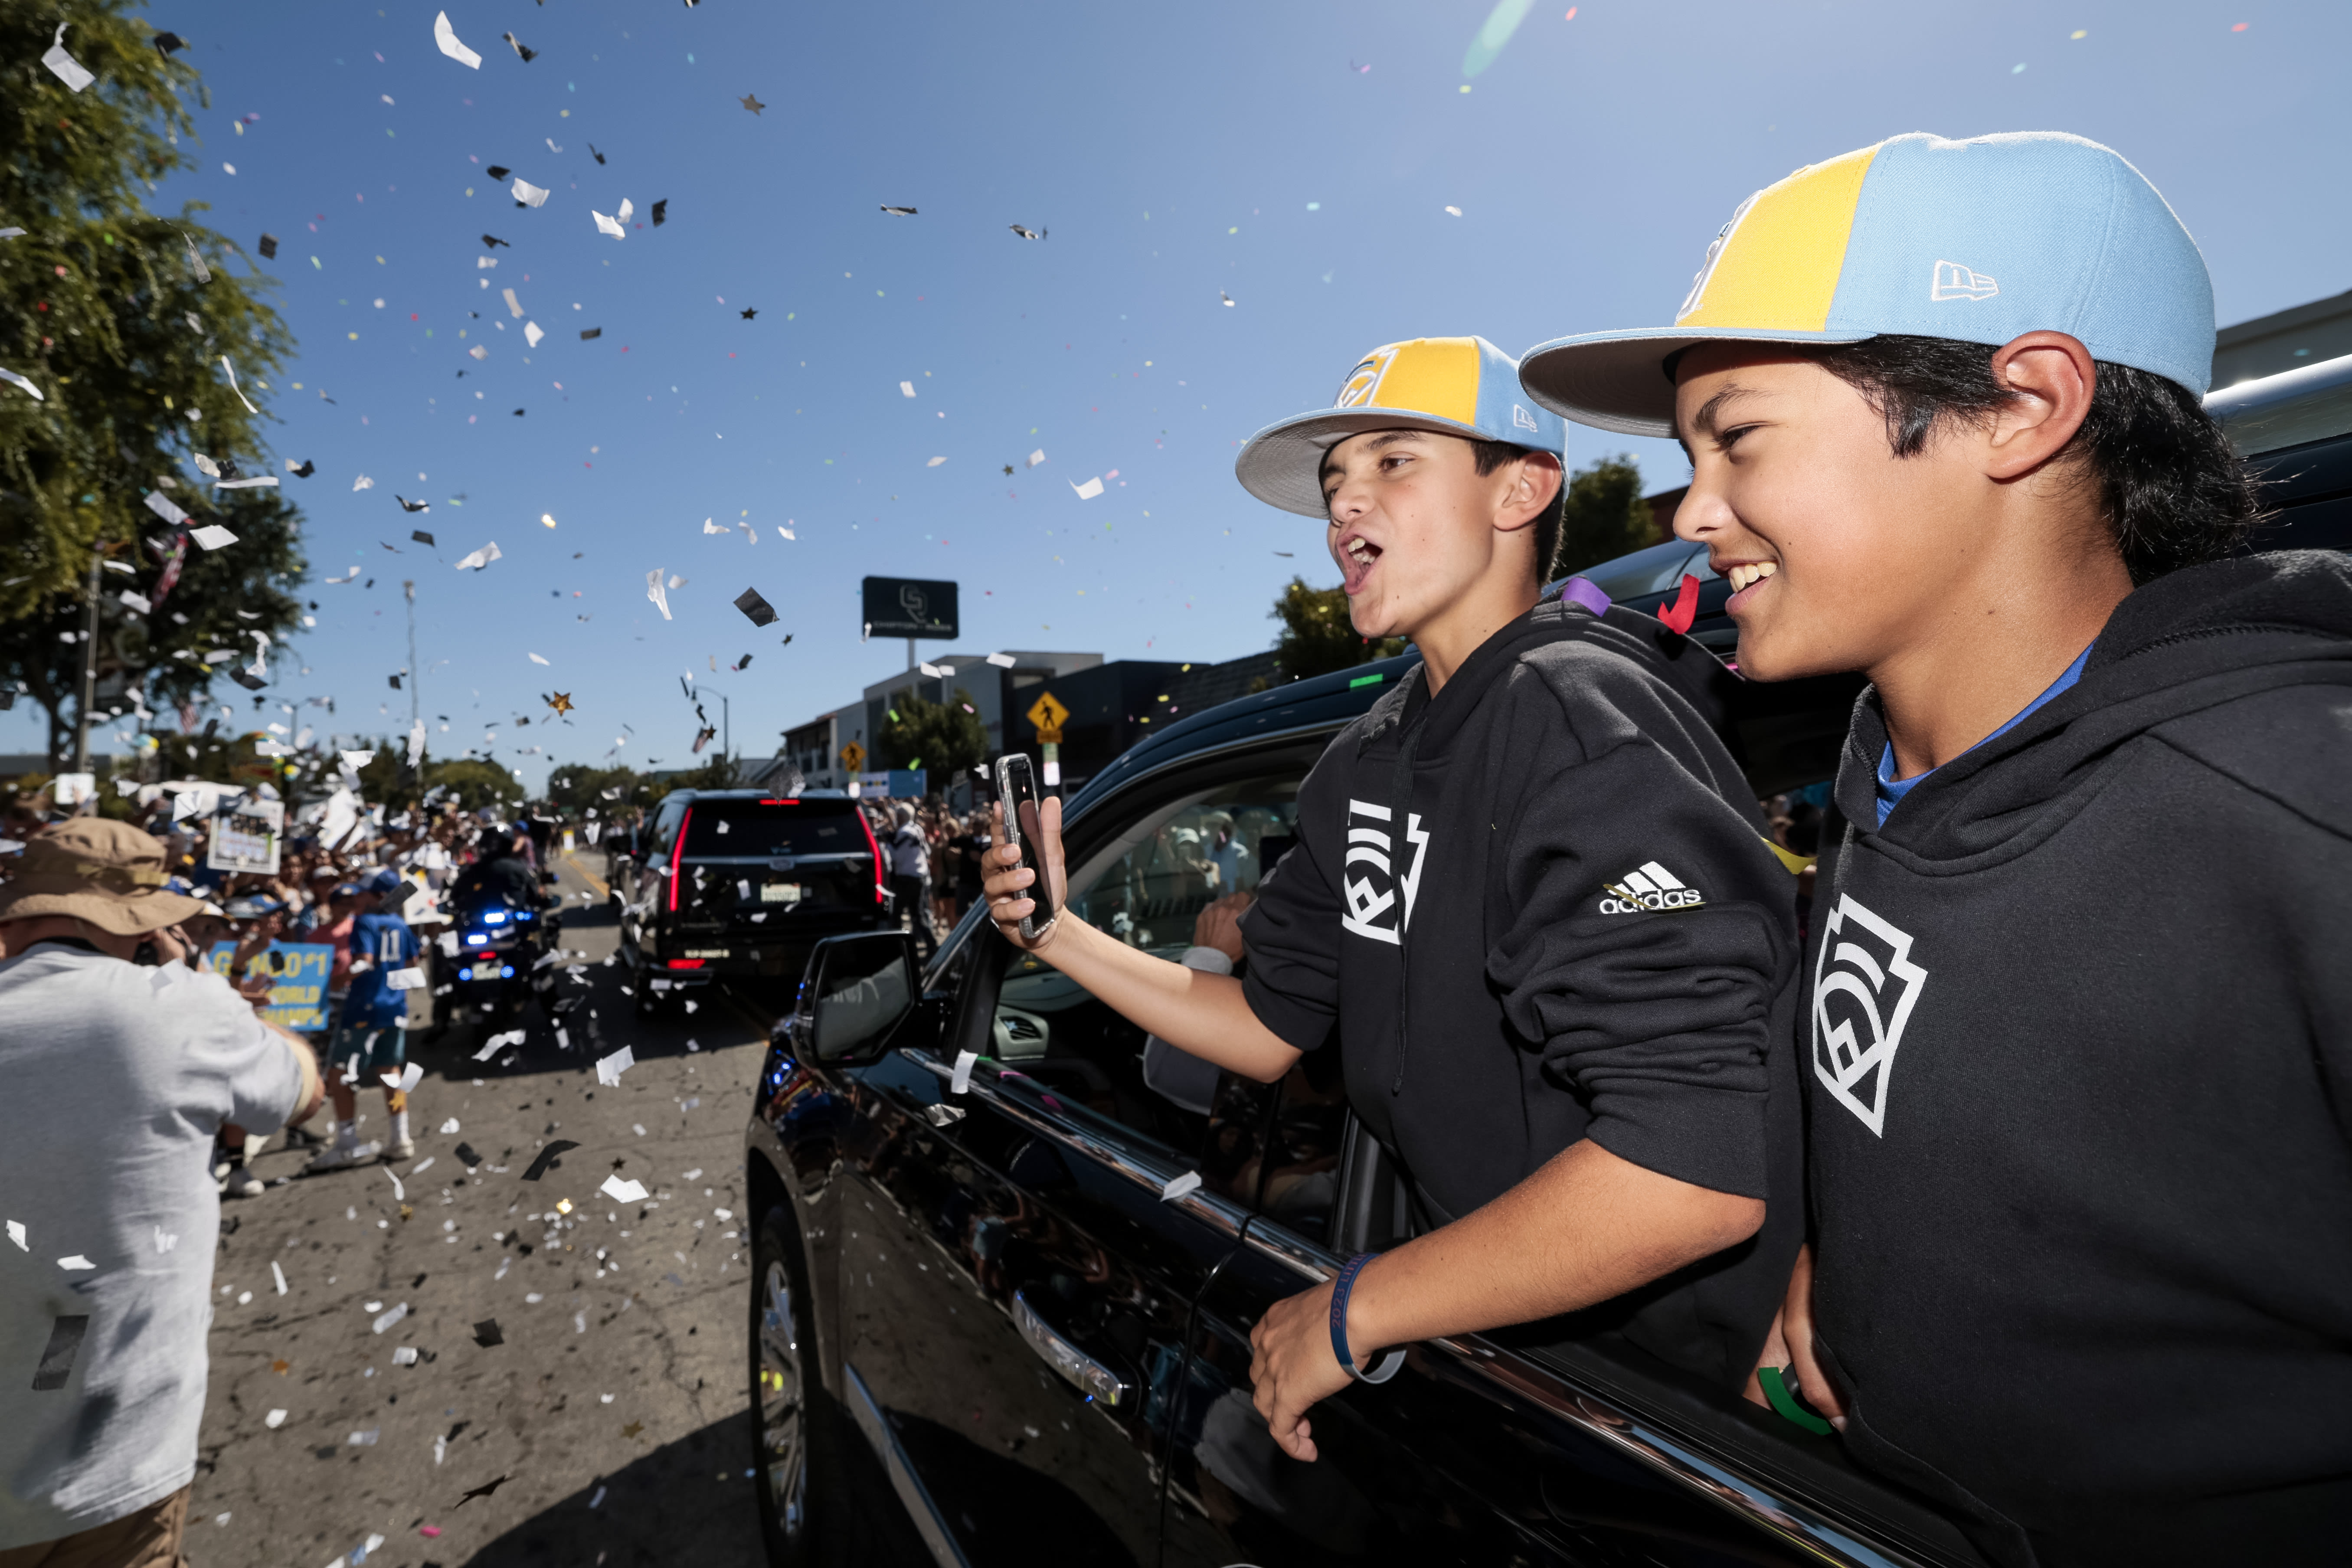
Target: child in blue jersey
371, 1042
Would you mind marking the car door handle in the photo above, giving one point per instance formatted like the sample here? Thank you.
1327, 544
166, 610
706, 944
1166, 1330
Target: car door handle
1085, 1373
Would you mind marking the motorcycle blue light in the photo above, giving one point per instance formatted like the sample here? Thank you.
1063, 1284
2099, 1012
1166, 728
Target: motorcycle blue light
475, 938
494, 917
507, 972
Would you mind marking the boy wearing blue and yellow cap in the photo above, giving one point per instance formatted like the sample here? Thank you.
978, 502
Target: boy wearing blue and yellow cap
2080, 1023
1530, 903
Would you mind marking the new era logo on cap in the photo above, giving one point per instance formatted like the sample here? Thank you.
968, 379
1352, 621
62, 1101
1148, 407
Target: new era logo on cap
1523, 420
1953, 282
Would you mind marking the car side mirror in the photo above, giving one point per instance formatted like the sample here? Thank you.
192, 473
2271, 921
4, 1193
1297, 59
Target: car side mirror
853, 992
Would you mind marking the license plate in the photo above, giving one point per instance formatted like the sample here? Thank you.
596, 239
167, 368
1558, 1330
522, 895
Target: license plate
485, 972
781, 893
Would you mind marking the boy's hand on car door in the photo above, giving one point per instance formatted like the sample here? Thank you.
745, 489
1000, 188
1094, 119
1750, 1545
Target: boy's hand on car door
1293, 1368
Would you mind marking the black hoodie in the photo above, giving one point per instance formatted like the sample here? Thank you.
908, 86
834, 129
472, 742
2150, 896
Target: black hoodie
2080, 1038
1586, 935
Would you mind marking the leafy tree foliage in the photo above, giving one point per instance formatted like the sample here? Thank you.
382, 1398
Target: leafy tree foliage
1318, 638
1603, 516
124, 341
943, 738
575, 787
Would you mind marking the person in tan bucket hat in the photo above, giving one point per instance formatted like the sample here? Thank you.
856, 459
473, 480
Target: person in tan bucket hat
120, 1063
91, 873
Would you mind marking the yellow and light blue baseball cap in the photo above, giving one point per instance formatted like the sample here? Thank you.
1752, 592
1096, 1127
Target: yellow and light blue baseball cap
1978, 240
1456, 386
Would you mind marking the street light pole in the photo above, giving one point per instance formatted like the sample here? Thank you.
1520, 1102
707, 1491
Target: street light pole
89, 666
415, 675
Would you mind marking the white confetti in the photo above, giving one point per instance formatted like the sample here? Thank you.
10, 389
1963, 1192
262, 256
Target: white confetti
1090, 490
211, 536
1177, 1186
906, 387
163, 506
654, 592
404, 1356
1035, 459
610, 1068
535, 658
274, 1420
446, 37
362, 483
622, 1191
480, 558
233, 386
529, 194
69, 70
16, 1235
935, 462
13, 379
449, 1126
387, 1319
278, 1274
398, 1192
531, 332
76, 1262
961, 1082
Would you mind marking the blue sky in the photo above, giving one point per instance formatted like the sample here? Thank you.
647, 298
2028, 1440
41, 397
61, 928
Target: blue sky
1172, 154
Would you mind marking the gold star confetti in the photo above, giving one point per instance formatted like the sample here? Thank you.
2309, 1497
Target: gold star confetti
561, 702
752, 102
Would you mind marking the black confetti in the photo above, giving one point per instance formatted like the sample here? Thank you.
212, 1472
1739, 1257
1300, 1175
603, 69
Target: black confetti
56, 1361
761, 612
547, 1159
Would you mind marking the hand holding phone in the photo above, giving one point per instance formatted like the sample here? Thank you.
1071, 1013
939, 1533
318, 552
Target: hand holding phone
1022, 821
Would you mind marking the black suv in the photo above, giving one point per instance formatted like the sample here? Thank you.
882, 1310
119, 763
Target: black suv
734, 883
1006, 1302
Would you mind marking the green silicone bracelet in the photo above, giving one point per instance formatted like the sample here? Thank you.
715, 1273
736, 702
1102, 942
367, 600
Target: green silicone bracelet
1776, 1389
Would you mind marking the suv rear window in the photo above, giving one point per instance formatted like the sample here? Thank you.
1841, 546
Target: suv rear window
762, 829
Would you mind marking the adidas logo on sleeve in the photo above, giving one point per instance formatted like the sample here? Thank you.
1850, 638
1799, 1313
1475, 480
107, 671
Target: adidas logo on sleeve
1651, 888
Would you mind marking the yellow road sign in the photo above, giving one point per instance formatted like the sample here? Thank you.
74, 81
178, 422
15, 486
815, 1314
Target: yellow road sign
853, 756
1046, 713
1050, 734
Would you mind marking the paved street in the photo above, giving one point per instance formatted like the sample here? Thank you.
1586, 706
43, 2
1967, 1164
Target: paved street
615, 1406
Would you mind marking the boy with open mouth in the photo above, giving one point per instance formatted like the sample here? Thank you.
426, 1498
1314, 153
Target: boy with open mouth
1530, 904
2080, 1022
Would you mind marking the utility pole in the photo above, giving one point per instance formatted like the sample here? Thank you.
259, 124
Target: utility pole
912, 660
90, 666
415, 675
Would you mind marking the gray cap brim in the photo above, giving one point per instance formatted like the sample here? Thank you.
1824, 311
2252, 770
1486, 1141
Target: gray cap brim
1281, 465
1617, 381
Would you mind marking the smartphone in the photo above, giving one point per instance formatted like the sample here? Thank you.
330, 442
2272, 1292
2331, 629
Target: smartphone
1016, 787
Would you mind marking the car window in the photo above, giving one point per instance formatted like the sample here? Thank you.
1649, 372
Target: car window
1149, 888
1168, 869
768, 829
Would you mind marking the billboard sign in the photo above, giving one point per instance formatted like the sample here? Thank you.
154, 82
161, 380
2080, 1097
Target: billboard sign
911, 607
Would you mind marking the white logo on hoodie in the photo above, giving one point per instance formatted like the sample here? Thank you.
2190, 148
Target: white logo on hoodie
1371, 898
1864, 984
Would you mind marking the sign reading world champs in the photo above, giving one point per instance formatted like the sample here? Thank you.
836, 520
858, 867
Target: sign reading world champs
911, 607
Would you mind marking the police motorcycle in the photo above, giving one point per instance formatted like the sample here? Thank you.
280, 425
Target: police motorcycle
506, 954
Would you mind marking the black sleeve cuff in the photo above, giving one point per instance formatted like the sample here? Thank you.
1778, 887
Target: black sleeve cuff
1298, 1023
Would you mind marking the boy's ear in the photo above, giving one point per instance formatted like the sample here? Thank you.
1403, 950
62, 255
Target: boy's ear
2051, 377
1536, 481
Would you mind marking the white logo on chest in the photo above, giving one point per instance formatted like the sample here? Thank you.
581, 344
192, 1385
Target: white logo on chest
1864, 984
1372, 894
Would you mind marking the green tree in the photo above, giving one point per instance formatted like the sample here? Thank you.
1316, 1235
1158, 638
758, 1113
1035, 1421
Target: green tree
943, 738
1604, 515
1318, 638
124, 341
575, 788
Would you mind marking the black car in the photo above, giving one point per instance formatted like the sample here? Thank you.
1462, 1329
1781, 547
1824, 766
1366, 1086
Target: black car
730, 884
1015, 1306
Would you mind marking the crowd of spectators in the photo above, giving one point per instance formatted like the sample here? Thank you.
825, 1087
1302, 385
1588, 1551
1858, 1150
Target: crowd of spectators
933, 859
336, 884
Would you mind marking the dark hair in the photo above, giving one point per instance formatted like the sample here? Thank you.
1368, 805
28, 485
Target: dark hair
1492, 455
2173, 491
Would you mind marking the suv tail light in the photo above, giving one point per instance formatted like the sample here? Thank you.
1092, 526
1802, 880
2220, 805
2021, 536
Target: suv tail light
678, 853
685, 963
881, 885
